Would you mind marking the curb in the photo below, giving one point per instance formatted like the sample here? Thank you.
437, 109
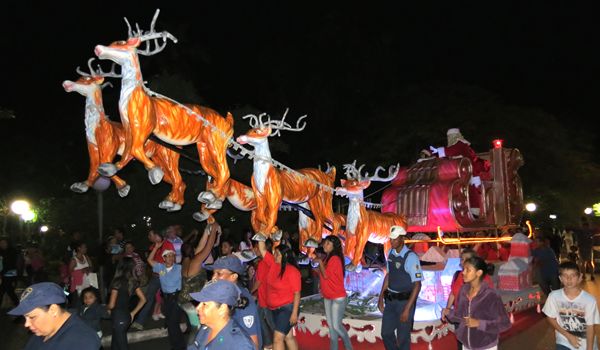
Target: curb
139, 336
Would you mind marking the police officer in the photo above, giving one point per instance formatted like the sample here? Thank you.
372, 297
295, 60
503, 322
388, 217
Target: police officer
230, 268
53, 327
397, 300
217, 301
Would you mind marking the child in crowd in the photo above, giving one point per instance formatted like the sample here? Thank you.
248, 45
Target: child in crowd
572, 311
91, 311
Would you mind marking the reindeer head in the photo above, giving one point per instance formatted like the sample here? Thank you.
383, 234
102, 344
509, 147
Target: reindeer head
261, 130
356, 183
125, 51
90, 82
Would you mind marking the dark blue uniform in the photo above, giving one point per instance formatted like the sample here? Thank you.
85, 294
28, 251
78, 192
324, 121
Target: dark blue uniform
247, 318
73, 334
404, 270
230, 337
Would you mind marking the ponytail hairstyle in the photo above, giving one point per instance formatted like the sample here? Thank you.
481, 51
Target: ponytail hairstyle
287, 258
242, 303
337, 251
480, 264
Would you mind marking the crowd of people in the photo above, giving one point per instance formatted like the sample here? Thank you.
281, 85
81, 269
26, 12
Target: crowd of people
212, 296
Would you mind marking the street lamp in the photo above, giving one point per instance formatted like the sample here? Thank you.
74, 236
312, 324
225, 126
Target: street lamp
20, 207
588, 211
530, 207
28, 216
44, 228
552, 216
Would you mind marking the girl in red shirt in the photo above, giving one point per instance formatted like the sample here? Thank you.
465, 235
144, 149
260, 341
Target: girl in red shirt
333, 290
283, 296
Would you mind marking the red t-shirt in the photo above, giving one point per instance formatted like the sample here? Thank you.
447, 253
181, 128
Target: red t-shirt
332, 287
504, 253
261, 275
165, 246
280, 291
458, 283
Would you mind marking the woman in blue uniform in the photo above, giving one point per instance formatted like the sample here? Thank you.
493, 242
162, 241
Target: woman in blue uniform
217, 301
230, 268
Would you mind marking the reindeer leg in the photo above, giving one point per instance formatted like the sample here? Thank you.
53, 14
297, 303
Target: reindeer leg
108, 145
83, 186
362, 235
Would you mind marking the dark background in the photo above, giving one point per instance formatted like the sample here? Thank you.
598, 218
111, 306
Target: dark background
378, 82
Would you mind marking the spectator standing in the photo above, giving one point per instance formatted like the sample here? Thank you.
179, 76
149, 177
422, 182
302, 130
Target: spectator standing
8, 271
139, 268
176, 241
458, 282
122, 288
283, 294
480, 313
157, 240
572, 312
194, 252
546, 263
585, 240
170, 284
333, 291
260, 288
79, 267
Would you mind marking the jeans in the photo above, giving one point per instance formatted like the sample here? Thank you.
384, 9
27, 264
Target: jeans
334, 312
266, 325
396, 334
151, 289
120, 324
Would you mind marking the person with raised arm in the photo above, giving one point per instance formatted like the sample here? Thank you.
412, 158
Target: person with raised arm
170, 284
195, 250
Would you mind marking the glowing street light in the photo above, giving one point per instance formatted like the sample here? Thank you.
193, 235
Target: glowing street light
588, 211
552, 216
530, 207
20, 207
28, 216
44, 228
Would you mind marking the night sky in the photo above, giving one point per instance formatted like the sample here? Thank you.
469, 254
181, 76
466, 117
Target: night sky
335, 63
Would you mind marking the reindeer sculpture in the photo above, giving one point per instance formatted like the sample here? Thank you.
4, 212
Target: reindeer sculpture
143, 114
106, 139
238, 194
365, 225
271, 185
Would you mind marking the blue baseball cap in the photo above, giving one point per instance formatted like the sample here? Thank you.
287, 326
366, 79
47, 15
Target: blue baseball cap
229, 262
38, 295
219, 291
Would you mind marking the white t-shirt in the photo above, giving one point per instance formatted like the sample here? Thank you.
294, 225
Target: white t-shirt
572, 315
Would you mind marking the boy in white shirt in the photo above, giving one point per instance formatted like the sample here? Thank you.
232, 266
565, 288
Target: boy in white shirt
572, 311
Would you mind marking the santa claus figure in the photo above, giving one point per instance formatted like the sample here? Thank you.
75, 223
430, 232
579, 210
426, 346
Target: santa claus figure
459, 146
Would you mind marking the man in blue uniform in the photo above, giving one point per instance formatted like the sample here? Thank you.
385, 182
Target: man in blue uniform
218, 299
397, 300
42, 305
230, 268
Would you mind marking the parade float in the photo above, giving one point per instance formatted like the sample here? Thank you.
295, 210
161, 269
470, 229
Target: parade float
436, 198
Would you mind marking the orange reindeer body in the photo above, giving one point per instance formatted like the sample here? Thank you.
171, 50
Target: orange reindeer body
106, 139
365, 225
238, 194
143, 114
271, 186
